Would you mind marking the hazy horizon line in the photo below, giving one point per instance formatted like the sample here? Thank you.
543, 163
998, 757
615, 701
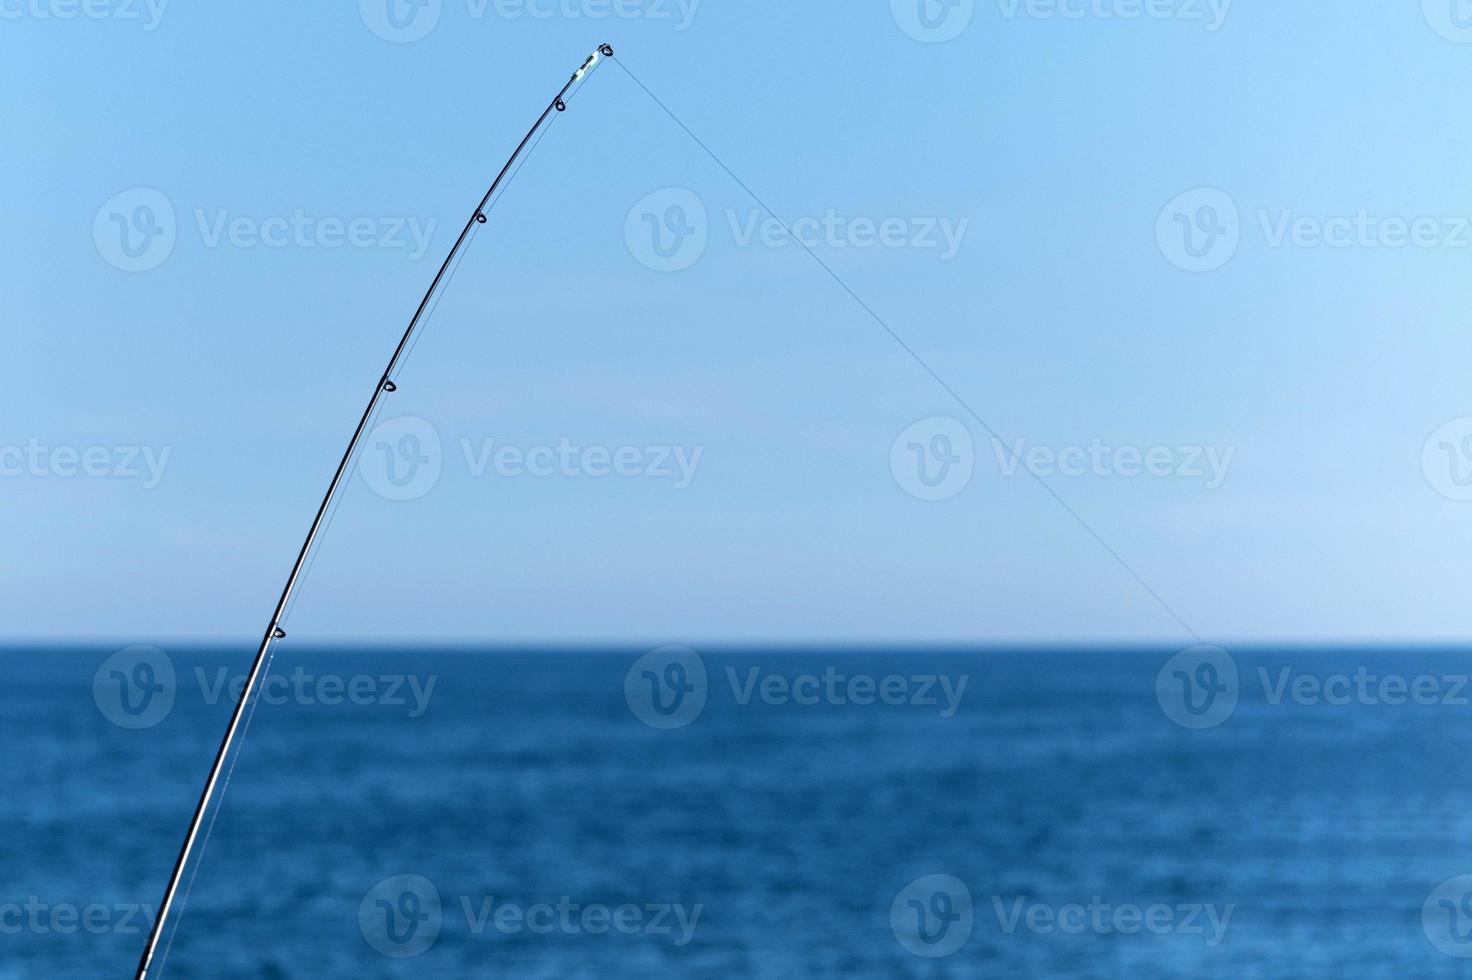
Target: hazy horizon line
841, 644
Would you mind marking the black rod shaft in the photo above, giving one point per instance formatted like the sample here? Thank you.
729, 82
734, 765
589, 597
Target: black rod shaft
273, 629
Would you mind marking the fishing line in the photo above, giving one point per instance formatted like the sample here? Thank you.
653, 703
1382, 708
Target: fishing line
915, 356
215, 816
241, 739
434, 306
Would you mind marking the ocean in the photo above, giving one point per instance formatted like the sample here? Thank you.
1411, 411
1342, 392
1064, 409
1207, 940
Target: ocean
807, 813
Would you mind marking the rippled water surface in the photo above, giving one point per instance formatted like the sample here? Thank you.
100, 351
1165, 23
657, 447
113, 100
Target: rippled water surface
523, 797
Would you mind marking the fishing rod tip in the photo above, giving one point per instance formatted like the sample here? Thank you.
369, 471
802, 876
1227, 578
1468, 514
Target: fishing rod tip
603, 51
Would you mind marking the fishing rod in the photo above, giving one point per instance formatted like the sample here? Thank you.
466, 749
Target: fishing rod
385, 385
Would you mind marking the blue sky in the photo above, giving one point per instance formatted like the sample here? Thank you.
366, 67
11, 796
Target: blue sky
1012, 201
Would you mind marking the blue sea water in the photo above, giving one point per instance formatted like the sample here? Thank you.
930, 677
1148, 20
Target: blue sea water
1058, 797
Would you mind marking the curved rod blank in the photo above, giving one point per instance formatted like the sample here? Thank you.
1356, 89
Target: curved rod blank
274, 631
